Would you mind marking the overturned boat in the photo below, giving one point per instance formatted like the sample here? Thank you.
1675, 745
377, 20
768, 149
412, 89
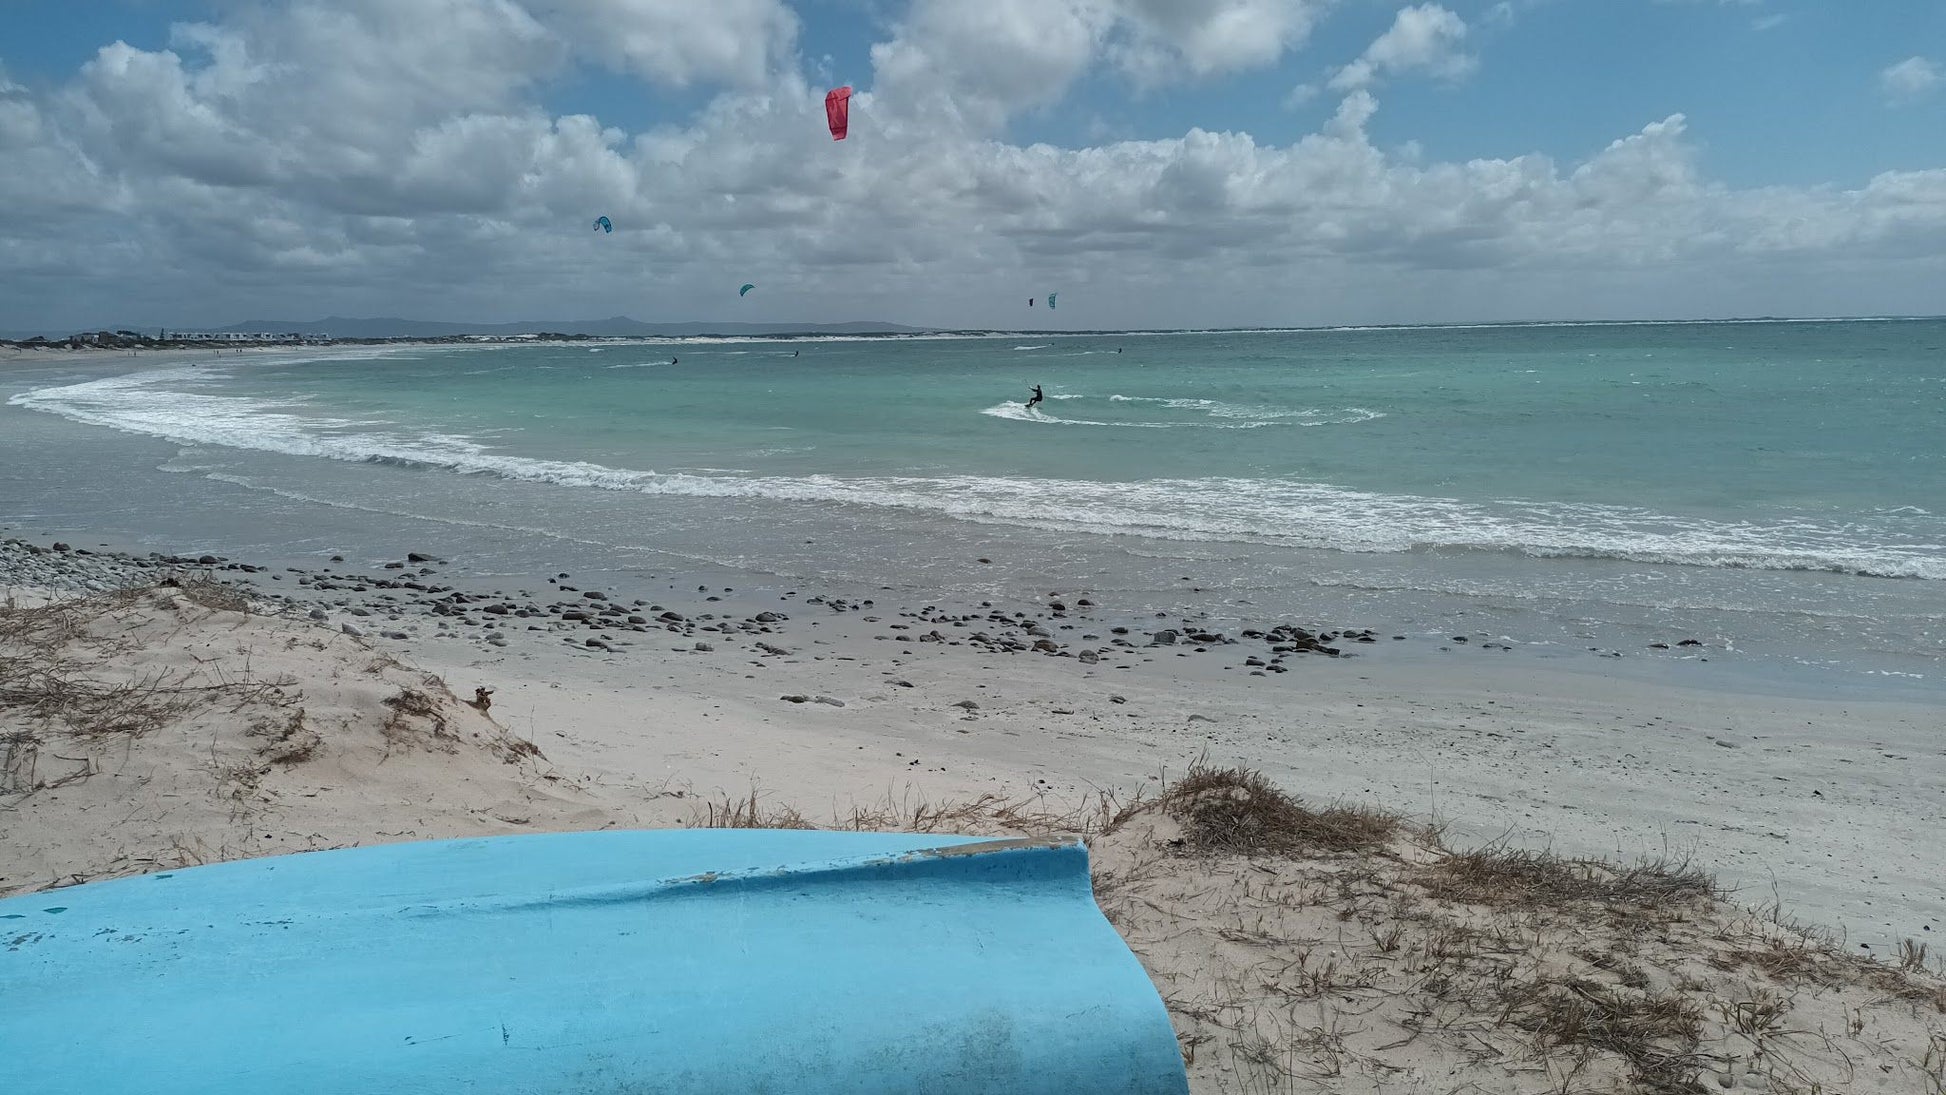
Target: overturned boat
588, 963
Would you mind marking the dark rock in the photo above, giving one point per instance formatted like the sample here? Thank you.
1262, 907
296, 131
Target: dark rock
795, 699
208, 560
1165, 637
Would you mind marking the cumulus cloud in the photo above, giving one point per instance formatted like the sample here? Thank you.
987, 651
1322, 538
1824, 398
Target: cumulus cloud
979, 64
1426, 38
314, 158
1909, 79
677, 42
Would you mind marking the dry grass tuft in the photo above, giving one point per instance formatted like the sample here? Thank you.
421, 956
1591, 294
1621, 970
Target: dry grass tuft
1656, 1035
750, 813
207, 592
1236, 811
409, 704
20, 752
990, 814
289, 740
1512, 876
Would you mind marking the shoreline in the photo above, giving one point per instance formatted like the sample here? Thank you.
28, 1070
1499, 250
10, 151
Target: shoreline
823, 698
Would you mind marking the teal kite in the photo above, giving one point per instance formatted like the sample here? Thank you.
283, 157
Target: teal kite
604, 224
745, 291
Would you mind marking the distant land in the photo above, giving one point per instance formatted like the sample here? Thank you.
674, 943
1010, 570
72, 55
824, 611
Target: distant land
612, 327
393, 327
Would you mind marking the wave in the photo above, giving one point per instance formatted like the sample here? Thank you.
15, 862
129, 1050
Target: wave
1285, 512
1306, 416
1236, 416
1042, 346
1016, 412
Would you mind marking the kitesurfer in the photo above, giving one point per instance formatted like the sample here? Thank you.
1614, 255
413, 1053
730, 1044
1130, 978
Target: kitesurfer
1037, 397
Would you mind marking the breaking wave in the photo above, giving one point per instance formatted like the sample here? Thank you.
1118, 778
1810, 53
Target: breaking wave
1234, 509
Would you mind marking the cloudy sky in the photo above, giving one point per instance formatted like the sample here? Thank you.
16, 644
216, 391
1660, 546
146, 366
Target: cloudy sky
1157, 162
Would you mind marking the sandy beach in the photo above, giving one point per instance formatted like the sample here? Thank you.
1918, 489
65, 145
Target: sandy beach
266, 712
1819, 806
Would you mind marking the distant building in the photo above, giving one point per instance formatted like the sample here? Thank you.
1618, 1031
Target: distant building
242, 336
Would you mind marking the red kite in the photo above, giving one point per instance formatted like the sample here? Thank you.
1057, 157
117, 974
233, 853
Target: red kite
837, 111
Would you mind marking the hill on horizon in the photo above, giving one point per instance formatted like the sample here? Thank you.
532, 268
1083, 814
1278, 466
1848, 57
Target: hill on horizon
398, 327
613, 326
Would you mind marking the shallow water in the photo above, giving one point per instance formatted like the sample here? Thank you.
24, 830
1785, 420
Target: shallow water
1777, 489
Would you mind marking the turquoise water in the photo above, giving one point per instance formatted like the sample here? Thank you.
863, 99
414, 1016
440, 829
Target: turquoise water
1591, 477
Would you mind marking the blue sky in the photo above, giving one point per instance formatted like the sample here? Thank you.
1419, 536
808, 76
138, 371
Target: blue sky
1785, 93
1792, 104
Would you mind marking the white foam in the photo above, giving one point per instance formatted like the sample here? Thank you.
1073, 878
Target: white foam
1016, 412
166, 403
1243, 415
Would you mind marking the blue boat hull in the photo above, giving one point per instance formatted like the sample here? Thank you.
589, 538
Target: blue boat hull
585, 963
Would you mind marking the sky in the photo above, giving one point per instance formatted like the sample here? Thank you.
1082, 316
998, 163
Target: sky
1159, 163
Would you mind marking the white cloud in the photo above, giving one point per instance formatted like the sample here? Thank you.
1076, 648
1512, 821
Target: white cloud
1426, 38
1909, 80
1205, 37
320, 158
979, 64
676, 42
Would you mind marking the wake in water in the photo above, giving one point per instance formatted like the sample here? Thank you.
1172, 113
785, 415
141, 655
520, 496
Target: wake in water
1234, 416
1235, 509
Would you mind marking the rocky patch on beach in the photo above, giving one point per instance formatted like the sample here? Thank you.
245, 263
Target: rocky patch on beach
411, 596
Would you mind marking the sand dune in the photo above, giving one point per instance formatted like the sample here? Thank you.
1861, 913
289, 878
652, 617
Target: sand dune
1298, 948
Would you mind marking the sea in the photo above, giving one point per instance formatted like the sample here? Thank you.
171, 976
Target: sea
1774, 491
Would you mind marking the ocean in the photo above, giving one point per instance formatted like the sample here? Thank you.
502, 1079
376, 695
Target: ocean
1774, 490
